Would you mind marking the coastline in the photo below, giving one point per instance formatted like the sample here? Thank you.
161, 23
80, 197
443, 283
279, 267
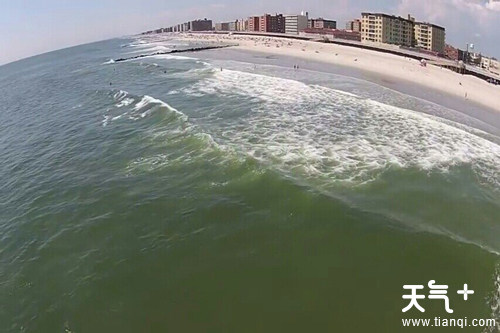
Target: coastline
381, 68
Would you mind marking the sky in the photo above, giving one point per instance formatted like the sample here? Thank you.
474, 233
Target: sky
30, 27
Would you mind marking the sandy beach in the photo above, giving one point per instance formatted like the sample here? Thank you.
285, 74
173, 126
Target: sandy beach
466, 87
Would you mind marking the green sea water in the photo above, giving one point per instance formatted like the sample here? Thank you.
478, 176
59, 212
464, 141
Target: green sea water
167, 195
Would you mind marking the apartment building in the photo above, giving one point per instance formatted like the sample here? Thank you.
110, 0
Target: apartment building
321, 23
254, 23
430, 37
272, 23
277, 24
296, 23
200, 25
389, 29
242, 25
354, 25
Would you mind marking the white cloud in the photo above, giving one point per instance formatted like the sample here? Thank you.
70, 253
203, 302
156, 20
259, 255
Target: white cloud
466, 21
493, 5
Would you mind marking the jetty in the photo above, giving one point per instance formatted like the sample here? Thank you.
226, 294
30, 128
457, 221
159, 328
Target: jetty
192, 49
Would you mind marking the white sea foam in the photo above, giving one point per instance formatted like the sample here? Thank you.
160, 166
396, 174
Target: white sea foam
136, 108
171, 57
110, 61
494, 302
322, 133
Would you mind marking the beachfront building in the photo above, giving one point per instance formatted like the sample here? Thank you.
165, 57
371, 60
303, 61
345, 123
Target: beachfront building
388, 29
296, 23
272, 23
430, 37
474, 58
225, 26
197, 25
321, 23
485, 63
494, 66
242, 25
201, 25
354, 25
254, 23
490, 64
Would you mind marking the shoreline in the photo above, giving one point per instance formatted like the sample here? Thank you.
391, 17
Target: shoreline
373, 66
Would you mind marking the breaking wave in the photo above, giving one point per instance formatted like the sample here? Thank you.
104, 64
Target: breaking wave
137, 107
322, 132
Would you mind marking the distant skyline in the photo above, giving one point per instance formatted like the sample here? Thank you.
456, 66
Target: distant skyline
30, 27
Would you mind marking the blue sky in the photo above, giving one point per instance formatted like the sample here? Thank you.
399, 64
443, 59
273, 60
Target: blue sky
29, 27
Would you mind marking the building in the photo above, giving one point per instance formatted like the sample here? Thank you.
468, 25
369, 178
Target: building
389, 29
201, 25
225, 26
451, 52
429, 37
242, 25
321, 23
494, 66
474, 58
254, 23
354, 25
485, 63
296, 23
264, 23
490, 64
277, 24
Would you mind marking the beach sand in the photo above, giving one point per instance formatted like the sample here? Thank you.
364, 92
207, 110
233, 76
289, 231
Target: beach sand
466, 87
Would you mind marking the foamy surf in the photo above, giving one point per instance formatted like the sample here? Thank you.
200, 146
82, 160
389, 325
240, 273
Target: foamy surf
136, 108
341, 136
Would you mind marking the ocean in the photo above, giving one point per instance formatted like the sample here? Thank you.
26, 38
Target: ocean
223, 191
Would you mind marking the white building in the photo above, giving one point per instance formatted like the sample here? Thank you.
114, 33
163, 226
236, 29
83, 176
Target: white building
296, 23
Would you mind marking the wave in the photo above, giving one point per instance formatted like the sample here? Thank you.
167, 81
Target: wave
134, 108
340, 136
351, 148
494, 301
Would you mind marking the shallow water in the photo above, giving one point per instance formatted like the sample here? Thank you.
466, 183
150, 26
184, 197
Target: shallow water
166, 194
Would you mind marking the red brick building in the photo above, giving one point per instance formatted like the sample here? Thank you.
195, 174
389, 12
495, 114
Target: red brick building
254, 23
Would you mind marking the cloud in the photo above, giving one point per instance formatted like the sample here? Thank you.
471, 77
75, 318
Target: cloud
493, 5
466, 21
451, 10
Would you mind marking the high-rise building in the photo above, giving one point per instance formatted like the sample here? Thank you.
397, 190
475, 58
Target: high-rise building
254, 23
272, 23
232, 25
225, 26
242, 25
296, 23
321, 23
277, 23
389, 29
354, 25
201, 25
264, 23
430, 37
